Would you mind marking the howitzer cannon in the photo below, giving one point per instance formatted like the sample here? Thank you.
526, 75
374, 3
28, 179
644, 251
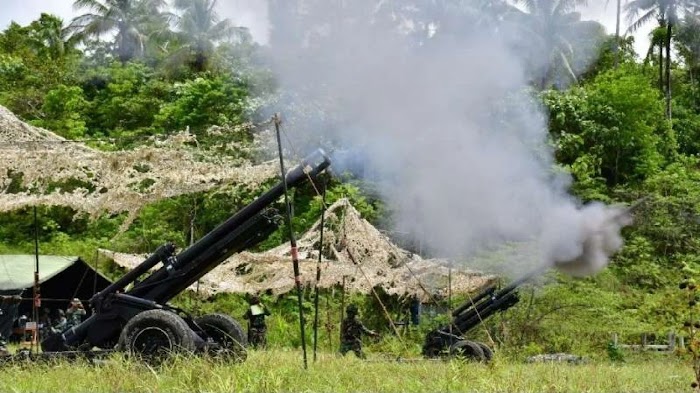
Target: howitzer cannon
139, 319
449, 340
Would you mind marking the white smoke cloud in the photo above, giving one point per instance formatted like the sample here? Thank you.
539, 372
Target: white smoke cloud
446, 128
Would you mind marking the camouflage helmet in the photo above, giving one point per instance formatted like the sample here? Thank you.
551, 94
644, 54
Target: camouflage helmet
351, 309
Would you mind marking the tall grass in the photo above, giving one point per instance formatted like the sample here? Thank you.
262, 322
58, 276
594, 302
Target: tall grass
282, 371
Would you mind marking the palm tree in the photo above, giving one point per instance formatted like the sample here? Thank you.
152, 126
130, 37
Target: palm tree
200, 29
616, 47
555, 27
657, 39
668, 13
48, 36
688, 41
132, 21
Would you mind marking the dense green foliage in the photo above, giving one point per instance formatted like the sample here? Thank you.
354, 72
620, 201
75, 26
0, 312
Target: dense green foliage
610, 130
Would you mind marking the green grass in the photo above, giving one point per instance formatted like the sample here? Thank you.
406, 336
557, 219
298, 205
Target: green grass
282, 371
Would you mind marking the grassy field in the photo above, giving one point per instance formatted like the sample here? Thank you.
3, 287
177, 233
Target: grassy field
282, 371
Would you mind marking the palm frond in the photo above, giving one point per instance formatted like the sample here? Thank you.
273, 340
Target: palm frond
641, 21
91, 5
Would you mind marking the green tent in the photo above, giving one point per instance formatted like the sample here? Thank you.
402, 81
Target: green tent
61, 278
17, 271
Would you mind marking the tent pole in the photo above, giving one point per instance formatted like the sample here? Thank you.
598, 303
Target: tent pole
329, 319
342, 309
449, 291
318, 267
36, 302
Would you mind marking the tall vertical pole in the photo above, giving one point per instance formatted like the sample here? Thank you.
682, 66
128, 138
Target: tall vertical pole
449, 291
329, 319
36, 301
292, 240
318, 267
342, 310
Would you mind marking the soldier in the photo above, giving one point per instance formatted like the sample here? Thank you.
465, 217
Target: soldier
60, 322
75, 313
257, 329
45, 322
351, 331
7, 300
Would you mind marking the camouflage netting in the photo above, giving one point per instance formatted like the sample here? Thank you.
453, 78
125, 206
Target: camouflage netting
380, 263
38, 167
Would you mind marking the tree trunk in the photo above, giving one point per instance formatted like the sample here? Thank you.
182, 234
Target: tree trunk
669, 31
661, 67
616, 48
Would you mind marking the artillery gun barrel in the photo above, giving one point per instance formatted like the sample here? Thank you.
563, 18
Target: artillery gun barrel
486, 292
487, 303
244, 229
160, 255
241, 230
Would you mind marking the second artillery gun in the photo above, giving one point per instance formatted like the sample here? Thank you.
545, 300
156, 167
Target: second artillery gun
449, 339
139, 320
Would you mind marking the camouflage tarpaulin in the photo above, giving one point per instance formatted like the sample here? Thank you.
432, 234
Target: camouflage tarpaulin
38, 167
381, 263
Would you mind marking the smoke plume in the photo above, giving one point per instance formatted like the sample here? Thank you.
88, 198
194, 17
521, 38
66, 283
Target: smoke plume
434, 103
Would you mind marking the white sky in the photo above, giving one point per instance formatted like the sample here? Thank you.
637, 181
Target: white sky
253, 14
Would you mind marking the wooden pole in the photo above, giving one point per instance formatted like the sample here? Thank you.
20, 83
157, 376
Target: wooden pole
329, 321
449, 291
36, 303
671, 341
292, 240
342, 309
318, 268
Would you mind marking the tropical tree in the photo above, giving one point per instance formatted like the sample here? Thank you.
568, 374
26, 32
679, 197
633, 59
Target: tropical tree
688, 44
131, 21
50, 38
657, 39
199, 31
33, 60
556, 32
668, 13
616, 45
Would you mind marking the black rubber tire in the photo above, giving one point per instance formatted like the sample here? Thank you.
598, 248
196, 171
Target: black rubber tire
488, 352
227, 333
468, 350
154, 334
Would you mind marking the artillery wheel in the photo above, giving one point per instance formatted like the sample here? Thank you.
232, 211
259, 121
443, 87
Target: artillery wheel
488, 352
227, 333
154, 334
468, 350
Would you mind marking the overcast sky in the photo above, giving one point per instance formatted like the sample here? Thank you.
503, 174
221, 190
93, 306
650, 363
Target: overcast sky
253, 14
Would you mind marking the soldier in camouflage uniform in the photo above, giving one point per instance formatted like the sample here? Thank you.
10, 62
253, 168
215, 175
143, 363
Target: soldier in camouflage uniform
75, 313
60, 323
351, 331
257, 328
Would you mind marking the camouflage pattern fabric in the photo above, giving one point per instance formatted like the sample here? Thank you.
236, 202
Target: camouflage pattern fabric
351, 332
356, 347
257, 336
257, 328
74, 317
